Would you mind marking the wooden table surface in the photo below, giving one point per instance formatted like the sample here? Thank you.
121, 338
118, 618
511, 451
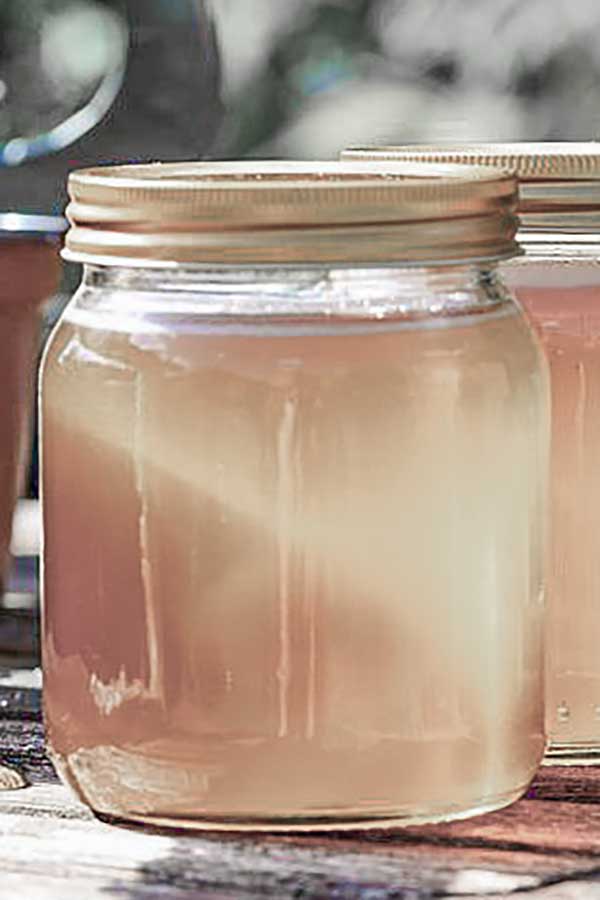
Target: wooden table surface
547, 847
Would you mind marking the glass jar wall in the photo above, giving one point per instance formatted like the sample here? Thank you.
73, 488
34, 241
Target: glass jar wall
559, 287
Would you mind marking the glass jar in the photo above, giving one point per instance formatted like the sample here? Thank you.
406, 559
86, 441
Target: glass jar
29, 274
293, 502
558, 283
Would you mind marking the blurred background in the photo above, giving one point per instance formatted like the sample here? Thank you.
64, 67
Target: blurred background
303, 77
85, 82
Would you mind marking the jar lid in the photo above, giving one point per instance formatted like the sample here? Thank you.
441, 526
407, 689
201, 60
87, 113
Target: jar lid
559, 181
290, 212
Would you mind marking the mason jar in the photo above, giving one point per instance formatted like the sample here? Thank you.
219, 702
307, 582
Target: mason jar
29, 274
558, 283
293, 451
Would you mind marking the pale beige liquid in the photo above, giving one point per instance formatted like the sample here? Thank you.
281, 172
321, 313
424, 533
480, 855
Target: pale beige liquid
292, 572
563, 301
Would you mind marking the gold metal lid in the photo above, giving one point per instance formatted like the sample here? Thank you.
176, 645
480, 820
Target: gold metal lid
559, 181
290, 212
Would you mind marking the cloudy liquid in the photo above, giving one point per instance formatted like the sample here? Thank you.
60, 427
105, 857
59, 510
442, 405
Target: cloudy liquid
563, 301
292, 571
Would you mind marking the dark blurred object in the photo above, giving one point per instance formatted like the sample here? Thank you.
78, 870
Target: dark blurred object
29, 274
325, 45
308, 77
19, 625
85, 82
62, 66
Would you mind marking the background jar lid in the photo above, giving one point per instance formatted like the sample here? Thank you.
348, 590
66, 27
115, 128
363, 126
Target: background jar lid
256, 212
559, 181
18, 225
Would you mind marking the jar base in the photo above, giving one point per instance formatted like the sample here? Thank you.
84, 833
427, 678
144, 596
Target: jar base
352, 820
572, 754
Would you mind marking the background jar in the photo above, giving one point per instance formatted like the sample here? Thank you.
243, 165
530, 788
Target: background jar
29, 274
293, 449
558, 283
